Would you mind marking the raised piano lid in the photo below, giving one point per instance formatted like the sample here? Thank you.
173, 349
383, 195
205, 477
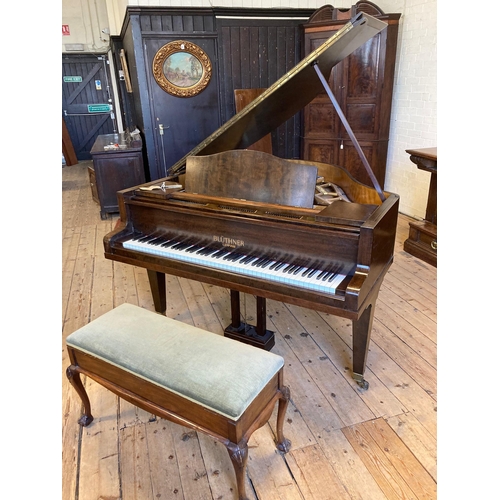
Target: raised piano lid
289, 94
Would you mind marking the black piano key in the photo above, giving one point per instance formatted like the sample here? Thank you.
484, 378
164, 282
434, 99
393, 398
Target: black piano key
265, 262
220, 253
310, 268
281, 261
322, 274
311, 273
148, 238
233, 256
248, 259
298, 270
280, 266
195, 248
169, 243
339, 270
332, 271
259, 261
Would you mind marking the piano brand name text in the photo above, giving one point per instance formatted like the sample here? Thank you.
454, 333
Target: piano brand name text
229, 242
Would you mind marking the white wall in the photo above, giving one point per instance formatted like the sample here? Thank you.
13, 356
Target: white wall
414, 111
86, 20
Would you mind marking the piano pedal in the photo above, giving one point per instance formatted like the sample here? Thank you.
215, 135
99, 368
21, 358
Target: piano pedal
248, 335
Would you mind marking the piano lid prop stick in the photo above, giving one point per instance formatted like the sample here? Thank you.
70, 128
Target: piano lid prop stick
343, 119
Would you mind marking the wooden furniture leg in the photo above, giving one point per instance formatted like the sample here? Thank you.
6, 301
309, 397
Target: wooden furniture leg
75, 380
361, 332
283, 444
158, 285
239, 457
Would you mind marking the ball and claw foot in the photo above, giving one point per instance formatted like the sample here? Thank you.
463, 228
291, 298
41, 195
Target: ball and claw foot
85, 420
284, 446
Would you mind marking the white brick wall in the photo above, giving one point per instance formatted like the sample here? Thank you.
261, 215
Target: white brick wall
414, 111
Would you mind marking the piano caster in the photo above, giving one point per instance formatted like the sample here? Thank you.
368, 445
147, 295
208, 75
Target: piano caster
359, 379
248, 335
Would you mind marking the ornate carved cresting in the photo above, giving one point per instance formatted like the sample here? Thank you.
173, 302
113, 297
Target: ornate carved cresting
178, 83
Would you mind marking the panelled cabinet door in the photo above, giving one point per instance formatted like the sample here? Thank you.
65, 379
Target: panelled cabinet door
361, 90
362, 84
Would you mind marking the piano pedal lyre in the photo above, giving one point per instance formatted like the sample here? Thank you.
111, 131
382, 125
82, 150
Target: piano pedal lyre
258, 335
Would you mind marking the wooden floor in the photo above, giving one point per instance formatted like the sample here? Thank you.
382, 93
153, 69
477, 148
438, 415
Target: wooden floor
346, 443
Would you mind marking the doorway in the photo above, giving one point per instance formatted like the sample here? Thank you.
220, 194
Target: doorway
87, 100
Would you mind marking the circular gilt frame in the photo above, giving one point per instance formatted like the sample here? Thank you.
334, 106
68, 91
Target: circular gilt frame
190, 75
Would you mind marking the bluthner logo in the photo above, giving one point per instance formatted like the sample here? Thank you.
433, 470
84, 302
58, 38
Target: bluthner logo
229, 242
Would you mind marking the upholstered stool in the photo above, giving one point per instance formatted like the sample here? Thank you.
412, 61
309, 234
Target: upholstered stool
198, 379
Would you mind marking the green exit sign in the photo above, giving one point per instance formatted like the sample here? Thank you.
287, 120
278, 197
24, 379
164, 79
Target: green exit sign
72, 79
98, 108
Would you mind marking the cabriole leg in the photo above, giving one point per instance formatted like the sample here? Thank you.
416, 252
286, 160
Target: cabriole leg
282, 444
239, 457
76, 382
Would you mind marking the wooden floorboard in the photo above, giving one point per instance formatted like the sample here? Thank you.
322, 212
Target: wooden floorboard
346, 443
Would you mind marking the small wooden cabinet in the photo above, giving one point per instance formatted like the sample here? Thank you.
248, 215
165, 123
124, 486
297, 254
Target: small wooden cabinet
362, 84
115, 169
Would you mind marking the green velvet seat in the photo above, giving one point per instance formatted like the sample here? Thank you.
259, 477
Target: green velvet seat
219, 373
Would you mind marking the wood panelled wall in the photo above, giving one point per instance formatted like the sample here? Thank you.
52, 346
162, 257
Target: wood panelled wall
255, 57
248, 48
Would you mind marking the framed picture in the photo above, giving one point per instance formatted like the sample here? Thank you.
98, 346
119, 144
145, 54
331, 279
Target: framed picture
126, 76
182, 69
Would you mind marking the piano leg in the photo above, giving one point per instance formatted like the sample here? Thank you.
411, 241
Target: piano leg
249, 334
158, 290
261, 316
361, 332
235, 309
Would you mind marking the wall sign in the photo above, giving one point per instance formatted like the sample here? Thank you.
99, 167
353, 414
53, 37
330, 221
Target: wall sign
75, 79
182, 69
65, 29
98, 108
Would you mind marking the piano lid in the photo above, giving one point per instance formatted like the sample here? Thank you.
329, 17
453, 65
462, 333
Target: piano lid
289, 94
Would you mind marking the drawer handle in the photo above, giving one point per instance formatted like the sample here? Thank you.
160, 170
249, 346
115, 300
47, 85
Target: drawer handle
434, 245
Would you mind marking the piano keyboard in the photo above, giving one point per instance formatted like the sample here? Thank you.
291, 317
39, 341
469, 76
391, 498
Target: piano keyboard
311, 275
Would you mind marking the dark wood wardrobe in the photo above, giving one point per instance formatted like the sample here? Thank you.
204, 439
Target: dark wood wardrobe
363, 86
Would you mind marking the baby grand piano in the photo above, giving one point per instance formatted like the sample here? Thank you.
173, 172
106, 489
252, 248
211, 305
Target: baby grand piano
246, 220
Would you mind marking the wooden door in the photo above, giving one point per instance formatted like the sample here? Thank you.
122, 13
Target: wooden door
87, 100
180, 123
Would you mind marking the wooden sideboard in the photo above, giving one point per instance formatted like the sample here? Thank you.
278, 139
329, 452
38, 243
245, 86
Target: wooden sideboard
422, 240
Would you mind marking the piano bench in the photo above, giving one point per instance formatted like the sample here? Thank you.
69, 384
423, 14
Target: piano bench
181, 373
